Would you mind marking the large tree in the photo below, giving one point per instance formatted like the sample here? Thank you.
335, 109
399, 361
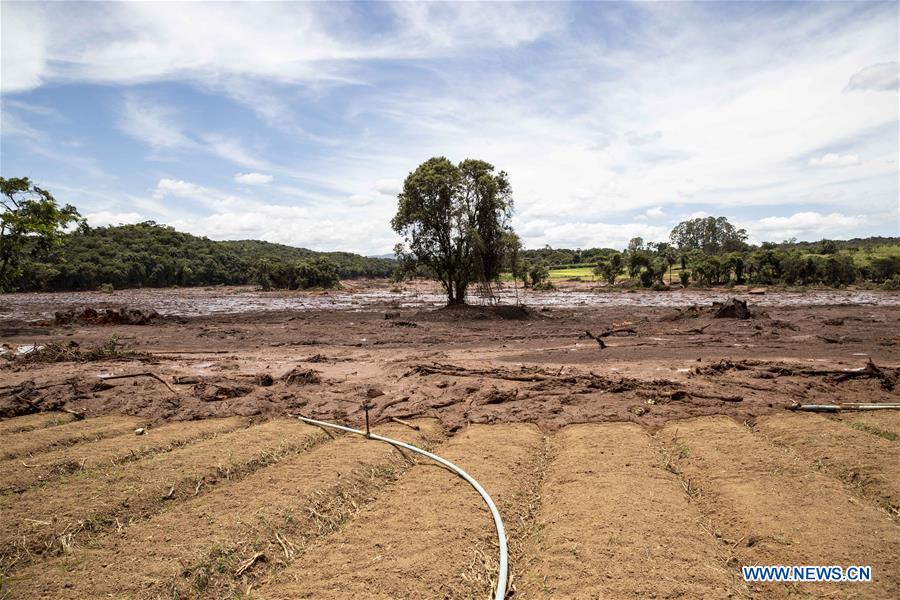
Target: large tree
30, 220
712, 235
454, 219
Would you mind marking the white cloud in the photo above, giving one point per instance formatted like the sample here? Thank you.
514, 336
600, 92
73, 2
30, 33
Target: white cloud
152, 124
253, 178
23, 57
883, 77
681, 104
388, 187
133, 43
103, 217
804, 226
639, 139
834, 160
176, 187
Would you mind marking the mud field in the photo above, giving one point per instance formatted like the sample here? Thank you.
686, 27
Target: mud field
636, 449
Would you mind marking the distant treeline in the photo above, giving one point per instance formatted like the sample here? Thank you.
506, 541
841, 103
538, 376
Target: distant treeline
700, 254
152, 255
562, 258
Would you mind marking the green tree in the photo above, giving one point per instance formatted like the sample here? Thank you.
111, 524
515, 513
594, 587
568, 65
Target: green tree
453, 219
538, 274
712, 235
638, 260
262, 274
316, 273
610, 268
30, 219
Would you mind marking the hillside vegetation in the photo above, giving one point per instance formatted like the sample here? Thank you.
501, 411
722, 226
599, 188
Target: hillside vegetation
826, 262
153, 255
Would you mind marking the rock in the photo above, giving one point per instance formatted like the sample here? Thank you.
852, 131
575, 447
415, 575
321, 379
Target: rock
732, 309
374, 392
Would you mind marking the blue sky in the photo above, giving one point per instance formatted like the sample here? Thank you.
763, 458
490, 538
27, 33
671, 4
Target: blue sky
296, 123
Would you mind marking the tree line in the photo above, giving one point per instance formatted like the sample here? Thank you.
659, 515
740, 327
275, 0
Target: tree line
454, 220
45, 247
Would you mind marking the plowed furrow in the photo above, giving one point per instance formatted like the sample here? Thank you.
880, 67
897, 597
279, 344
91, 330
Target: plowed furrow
778, 510
43, 440
615, 524
194, 549
882, 423
17, 475
869, 464
432, 537
54, 519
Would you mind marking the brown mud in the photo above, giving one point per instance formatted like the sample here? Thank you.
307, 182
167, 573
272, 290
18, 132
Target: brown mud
549, 366
635, 449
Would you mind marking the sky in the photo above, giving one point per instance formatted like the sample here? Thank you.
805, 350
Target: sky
297, 122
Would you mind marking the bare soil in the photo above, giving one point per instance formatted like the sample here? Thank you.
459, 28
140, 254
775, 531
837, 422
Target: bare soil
654, 464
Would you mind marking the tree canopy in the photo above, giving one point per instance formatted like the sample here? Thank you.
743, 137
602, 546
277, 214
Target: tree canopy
153, 255
454, 219
31, 222
711, 235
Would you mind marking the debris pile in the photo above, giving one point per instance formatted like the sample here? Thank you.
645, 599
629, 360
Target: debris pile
732, 309
300, 376
107, 316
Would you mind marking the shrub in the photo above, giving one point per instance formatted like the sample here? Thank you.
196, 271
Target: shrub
316, 273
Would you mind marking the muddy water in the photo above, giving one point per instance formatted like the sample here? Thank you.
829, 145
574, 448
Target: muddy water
191, 302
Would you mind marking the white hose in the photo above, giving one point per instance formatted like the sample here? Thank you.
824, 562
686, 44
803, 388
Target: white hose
502, 572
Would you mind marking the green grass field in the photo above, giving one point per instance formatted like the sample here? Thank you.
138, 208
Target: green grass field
864, 257
586, 273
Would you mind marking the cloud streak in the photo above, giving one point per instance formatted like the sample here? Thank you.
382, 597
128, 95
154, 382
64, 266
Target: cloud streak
612, 119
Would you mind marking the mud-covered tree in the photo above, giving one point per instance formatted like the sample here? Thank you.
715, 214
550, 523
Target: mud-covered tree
610, 268
30, 223
453, 220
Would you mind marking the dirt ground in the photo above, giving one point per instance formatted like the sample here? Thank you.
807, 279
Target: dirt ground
635, 450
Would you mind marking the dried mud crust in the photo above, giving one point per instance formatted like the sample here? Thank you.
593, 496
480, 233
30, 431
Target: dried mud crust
29, 443
868, 463
256, 527
55, 519
546, 369
614, 523
770, 507
432, 537
18, 475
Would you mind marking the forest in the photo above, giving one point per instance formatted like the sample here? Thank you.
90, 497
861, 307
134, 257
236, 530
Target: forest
153, 255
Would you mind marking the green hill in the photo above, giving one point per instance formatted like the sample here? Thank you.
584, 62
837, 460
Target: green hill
152, 255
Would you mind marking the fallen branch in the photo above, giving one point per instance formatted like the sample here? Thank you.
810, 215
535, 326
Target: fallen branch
831, 408
249, 563
682, 394
144, 374
78, 415
598, 339
288, 553
404, 422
